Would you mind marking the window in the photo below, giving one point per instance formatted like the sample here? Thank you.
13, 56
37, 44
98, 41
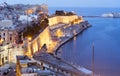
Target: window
10, 38
4, 39
6, 57
3, 34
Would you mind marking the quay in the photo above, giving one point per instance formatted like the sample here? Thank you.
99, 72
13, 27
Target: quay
53, 62
77, 30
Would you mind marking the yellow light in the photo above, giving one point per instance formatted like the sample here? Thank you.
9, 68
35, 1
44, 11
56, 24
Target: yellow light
59, 33
29, 11
1, 41
29, 38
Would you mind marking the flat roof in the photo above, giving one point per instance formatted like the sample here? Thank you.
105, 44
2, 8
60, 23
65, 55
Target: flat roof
57, 62
23, 57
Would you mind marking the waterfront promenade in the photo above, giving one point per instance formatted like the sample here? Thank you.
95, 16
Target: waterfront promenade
54, 62
74, 30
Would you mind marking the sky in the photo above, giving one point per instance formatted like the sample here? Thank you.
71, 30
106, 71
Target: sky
68, 3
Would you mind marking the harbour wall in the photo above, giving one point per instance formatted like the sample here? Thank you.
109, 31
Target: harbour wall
63, 19
45, 36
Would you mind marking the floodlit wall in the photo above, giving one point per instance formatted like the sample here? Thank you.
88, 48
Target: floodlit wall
45, 36
61, 19
36, 44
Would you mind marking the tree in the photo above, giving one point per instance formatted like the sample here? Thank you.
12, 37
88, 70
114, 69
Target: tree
34, 29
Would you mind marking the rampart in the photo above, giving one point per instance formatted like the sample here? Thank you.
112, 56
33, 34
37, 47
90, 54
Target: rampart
45, 36
62, 19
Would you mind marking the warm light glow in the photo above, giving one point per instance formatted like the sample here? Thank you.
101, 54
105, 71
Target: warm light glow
35, 47
59, 33
1, 41
45, 36
29, 11
36, 44
29, 38
51, 46
61, 19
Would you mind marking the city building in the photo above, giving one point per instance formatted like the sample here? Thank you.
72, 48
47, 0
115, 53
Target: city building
58, 65
8, 32
27, 67
27, 18
8, 53
3, 56
12, 21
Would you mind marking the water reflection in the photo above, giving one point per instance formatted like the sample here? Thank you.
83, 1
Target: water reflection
106, 37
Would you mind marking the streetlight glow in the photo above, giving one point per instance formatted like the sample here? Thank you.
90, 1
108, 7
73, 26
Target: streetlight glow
29, 38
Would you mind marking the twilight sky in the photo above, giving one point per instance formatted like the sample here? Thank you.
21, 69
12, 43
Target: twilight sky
69, 3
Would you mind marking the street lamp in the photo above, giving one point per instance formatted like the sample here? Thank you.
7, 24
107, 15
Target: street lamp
29, 39
1, 41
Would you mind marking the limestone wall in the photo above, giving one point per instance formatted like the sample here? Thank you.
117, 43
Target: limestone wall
45, 36
36, 44
61, 19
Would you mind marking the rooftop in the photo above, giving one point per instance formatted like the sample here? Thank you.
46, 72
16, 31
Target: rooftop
7, 24
57, 62
24, 57
29, 66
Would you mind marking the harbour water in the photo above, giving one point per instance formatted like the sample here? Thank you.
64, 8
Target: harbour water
104, 33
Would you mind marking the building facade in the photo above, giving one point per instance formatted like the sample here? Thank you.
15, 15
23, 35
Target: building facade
8, 36
27, 67
3, 56
8, 32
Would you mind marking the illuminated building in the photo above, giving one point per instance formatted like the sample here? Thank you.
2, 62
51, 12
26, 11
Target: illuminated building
3, 56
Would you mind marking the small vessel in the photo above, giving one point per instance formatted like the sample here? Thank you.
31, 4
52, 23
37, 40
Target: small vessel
111, 15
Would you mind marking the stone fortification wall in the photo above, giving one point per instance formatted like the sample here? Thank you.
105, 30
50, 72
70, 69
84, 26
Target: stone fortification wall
43, 38
61, 19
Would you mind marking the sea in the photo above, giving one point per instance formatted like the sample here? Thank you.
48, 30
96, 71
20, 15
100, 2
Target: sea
104, 34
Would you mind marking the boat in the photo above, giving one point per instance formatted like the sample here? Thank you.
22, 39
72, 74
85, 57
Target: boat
111, 15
